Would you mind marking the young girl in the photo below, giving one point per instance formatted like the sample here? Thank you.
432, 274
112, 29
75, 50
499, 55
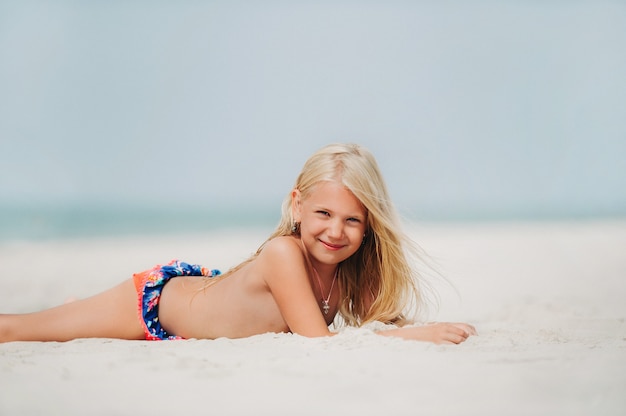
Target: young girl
338, 249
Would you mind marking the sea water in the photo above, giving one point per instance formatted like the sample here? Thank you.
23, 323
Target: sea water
93, 221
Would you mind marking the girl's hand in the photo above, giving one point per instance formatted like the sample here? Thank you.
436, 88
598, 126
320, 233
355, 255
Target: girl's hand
439, 333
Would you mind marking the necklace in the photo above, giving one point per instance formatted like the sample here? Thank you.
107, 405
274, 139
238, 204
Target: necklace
325, 306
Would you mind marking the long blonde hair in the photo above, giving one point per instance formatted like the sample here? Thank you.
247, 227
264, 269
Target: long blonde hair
384, 268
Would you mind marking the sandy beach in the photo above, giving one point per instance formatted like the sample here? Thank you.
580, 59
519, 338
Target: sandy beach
547, 299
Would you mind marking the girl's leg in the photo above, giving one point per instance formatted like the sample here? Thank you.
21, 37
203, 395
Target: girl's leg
110, 314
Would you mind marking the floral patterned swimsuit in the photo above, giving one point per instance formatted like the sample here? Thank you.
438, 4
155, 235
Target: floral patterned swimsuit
149, 285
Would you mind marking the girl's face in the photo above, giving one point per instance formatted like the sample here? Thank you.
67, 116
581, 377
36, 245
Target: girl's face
332, 222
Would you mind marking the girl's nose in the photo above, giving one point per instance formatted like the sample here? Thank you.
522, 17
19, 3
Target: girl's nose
335, 229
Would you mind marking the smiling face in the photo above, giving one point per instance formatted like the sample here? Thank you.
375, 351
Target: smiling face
332, 223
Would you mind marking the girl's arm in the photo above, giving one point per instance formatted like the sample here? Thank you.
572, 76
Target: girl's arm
439, 333
284, 269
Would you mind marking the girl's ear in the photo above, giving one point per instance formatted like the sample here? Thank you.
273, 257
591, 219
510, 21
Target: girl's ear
296, 205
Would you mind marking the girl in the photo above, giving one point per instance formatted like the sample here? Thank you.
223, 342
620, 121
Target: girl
338, 249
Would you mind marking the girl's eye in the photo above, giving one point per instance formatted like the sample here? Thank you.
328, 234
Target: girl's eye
355, 220
325, 213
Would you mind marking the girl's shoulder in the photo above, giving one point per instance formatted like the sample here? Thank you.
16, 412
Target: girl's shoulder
282, 252
282, 246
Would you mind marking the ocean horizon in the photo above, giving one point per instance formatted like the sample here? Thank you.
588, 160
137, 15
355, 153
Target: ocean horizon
81, 220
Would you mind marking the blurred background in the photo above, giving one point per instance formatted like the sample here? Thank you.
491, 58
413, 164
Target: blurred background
155, 117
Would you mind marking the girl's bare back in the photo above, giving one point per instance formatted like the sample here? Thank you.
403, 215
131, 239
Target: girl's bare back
236, 307
239, 306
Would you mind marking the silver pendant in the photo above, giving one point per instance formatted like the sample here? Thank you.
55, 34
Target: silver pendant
325, 307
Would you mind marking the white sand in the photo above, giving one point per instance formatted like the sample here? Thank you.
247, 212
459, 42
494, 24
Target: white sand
547, 299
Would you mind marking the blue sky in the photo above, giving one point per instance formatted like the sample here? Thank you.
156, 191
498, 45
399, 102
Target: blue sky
481, 108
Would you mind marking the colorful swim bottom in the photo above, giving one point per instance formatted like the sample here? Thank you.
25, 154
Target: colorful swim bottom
149, 285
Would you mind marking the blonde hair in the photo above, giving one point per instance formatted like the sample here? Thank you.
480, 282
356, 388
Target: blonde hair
380, 269
383, 269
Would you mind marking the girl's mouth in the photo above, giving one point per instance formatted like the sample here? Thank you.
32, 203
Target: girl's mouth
331, 246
